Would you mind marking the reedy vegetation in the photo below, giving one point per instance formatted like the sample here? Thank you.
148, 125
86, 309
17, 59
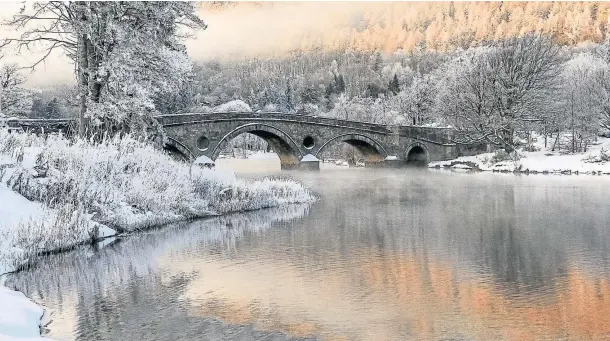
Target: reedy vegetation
128, 184
123, 183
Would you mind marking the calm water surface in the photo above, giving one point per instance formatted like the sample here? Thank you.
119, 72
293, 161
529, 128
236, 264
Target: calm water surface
383, 255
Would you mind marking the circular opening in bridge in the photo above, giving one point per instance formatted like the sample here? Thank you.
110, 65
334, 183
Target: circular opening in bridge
308, 142
203, 143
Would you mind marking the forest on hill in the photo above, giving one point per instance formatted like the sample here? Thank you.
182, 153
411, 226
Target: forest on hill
388, 27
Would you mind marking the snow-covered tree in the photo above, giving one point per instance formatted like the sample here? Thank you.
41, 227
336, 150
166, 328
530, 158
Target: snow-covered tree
11, 96
420, 100
581, 99
462, 99
233, 106
125, 53
524, 73
490, 93
17, 101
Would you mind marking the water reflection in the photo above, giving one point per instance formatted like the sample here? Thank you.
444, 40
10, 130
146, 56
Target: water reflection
104, 294
415, 255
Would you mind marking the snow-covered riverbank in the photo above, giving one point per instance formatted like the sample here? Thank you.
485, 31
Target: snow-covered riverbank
20, 318
55, 194
544, 161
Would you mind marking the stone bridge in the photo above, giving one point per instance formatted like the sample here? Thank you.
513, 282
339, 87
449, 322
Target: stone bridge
297, 139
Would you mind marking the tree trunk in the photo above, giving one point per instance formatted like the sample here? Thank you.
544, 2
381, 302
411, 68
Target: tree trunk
507, 139
545, 136
83, 66
555, 143
573, 137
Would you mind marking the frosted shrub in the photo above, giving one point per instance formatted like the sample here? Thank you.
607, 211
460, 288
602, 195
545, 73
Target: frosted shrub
10, 143
603, 156
59, 229
233, 106
130, 185
501, 155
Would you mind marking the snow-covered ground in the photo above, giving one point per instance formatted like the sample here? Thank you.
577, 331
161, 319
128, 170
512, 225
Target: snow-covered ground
542, 161
19, 317
15, 210
55, 194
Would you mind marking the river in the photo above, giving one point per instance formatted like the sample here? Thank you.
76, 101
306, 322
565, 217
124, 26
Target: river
411, 254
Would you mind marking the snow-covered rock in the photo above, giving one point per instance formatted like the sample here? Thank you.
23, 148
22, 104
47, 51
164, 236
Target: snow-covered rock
104, 231
461, 166
203, 160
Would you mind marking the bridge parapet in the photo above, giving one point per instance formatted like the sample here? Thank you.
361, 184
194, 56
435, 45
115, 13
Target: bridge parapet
41, 125
191, 118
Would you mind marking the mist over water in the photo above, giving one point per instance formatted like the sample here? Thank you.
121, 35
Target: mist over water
383, 255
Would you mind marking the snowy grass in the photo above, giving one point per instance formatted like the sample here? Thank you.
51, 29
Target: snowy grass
539, 160
82, 188
129, 185
55, 230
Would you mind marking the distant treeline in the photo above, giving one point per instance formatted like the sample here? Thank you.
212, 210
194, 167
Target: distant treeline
496, 93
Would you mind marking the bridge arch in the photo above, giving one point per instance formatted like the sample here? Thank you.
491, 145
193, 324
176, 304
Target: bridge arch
178, 150
282, 143
372, 150
417, 154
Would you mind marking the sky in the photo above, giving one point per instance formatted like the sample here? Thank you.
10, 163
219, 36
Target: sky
256, 31
242, 31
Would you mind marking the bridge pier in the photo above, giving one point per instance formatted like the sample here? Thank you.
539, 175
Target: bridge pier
302, 165
309, 165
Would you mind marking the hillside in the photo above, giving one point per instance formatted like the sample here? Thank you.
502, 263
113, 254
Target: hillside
275, 29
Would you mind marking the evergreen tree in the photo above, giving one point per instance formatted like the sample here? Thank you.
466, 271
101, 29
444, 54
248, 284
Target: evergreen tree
394, 86
340, 83
51, 110
38, 108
